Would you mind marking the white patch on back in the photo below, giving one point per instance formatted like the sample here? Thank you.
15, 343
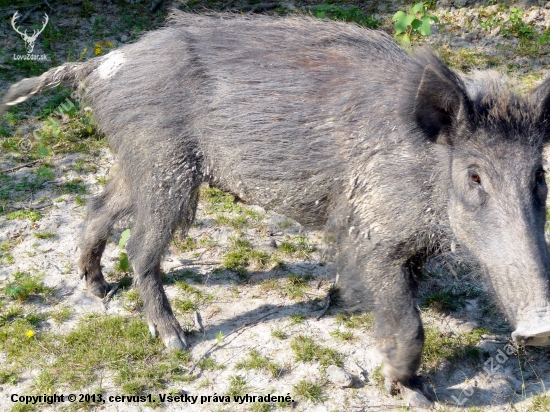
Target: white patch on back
110, 66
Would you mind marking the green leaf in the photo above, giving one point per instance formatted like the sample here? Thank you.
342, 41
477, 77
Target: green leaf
513, 9
319, 14
124, 263
425, 27
399, 15
403, 23
124, 238
434, 18
415, 24
403, 39
417, 7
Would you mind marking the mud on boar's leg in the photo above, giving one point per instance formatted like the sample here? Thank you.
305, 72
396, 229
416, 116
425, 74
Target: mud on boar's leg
103, 212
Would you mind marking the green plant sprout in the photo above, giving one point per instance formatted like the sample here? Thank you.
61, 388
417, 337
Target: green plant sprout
418, 20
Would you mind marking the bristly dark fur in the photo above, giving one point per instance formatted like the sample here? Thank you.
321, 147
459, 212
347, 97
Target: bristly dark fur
397, 156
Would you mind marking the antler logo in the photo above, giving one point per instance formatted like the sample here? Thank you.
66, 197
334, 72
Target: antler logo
29, 40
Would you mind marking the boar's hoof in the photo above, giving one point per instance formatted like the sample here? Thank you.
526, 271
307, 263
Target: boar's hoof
99, 289
535, 334
170, 332
413, 397
415, 392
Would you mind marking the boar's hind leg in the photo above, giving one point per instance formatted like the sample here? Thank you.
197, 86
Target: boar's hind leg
399, 329
159, 213
103, 212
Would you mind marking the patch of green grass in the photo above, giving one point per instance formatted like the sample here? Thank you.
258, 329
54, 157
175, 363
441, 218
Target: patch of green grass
210, 364
295, 286
61, 314
79, 200
300, 247
98, 345
185, 245
309, 390
5, 256
297, 318
257, 362
541, 403
377, 377
260, 407
197, 295
24, 286
75, 186
241, 255
465, 59
28, 68
183, 306
78, 135
350, 14
226, 210
132, 300
459, 347
44, 235
364, 321
83, 166
8, 376
306, 350
270, 285
32, 215
442, 301
346, 336
279, 334
237, 386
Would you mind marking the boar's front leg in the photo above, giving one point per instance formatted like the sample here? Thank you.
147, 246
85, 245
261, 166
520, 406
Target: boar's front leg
399, 331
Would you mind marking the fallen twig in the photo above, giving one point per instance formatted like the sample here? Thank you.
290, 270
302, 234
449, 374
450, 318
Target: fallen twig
110, 294
495, 338
37, 207
197, 263
13, 169
244, 325
325, 307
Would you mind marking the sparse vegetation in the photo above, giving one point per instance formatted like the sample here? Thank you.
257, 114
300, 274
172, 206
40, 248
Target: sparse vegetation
237, 386
32, 215
210, 364
241, 255
350, 14
24, 286
364, 321
460, 346
81, 357
306, 350
257, 362
309, 390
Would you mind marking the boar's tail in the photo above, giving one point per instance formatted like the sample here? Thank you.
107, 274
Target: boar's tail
69, 74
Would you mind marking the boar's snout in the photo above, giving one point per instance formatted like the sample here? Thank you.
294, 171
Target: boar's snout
534, 327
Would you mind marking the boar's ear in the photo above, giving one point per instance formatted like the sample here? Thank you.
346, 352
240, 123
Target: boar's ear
541, 98
439, 102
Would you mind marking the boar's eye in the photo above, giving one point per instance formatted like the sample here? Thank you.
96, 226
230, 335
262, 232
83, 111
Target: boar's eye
475, 178
539, 175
